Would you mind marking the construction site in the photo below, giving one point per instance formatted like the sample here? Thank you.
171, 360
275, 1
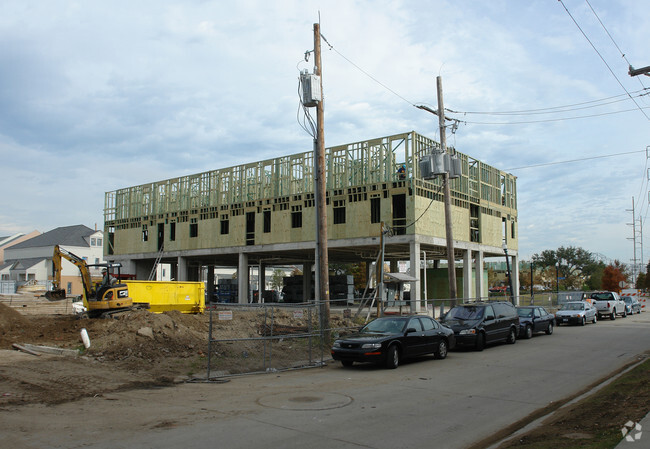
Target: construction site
262, 214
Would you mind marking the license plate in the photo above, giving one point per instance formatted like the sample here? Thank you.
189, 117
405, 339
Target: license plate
565, 319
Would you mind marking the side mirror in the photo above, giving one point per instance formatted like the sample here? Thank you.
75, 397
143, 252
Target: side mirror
489, 318
410, 330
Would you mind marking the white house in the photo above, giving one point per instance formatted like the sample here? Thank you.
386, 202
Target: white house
31, 260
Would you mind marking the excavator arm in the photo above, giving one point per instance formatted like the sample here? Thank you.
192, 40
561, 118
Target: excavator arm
59, 293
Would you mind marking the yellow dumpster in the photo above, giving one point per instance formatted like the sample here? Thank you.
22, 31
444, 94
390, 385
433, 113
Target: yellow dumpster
163, 296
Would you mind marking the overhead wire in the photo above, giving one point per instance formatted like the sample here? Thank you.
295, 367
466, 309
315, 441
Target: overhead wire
545, 164
602, 58
612, 39
556, 109
645, 199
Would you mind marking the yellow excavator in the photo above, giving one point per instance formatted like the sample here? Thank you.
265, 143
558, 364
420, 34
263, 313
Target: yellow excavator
100, 299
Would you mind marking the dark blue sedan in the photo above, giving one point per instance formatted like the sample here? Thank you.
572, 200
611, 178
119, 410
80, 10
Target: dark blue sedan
534, 319
388, 340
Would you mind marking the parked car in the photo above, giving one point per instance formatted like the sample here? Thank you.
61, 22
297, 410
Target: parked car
608, 304
388, 340
534, 319
576, 312
481, 323
632, 305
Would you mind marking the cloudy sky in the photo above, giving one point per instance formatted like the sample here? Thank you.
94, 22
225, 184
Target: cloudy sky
97, 96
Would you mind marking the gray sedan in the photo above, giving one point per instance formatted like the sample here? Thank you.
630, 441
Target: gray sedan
576, 312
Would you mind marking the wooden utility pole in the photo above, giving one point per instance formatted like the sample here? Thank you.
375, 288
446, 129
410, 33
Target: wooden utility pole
321, 188
451, 262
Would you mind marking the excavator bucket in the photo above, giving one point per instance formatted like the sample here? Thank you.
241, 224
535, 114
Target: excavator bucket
55, 295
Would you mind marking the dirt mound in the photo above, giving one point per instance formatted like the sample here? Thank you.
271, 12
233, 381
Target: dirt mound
10, 319
148, 336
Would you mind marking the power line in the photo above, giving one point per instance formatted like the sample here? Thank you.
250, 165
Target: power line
553, 119
555, 109
603, 59
613, 41
575, 160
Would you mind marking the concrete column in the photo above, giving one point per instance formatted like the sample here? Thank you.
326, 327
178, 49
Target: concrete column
467, 274
209, 287
261, 281
306, 282
514, 268
414, 248
479, 274
182, 269
242, 279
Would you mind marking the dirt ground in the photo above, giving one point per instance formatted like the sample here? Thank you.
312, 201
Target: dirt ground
132, 350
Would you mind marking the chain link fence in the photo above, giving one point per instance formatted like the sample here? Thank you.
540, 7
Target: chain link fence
255, 338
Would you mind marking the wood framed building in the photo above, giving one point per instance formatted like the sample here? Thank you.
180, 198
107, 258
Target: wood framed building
263, 213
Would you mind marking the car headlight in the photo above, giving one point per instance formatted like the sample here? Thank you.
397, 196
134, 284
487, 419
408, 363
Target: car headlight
337, 344
467, 331
371, 346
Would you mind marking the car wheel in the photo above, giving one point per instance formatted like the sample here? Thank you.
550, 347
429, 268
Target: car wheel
583, 322
595, 319
549, 329
441, 353
600, 317
512, 337
529, 332
346, 363
480, 342
392, 358
613, 315
624, 313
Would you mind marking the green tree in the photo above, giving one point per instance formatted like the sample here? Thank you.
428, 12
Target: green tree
277, 280
573, 264
595, 280
640, 281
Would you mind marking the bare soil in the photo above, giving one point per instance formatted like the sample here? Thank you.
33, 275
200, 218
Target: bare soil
135, 349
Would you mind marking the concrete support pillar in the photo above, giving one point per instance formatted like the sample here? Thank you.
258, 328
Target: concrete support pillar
414, 248
209, 281
307, 285
129, 267
182, 269
242, 279
261, 281
467, 275
514, 268
479, 266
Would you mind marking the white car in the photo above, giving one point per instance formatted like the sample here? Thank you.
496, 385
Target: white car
576, 312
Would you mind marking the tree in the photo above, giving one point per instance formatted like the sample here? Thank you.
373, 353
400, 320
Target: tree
277, 280
612, 276
640, 281
595, 280
572, 263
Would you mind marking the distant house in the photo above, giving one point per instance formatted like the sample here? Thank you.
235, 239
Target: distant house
30, 261
9, 241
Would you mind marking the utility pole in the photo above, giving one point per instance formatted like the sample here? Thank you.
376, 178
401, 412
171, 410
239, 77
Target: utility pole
321, 184
633, 224
451, 261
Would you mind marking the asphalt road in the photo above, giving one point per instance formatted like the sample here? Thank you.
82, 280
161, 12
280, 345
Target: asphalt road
448, 403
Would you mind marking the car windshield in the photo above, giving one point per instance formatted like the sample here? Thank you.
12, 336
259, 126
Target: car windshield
627, 299
385, 326
525, 313
572, 306
601, 296
465, 313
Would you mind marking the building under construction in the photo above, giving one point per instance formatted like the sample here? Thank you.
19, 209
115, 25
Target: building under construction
263, 214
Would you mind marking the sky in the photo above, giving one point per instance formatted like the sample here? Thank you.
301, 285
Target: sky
98, 96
